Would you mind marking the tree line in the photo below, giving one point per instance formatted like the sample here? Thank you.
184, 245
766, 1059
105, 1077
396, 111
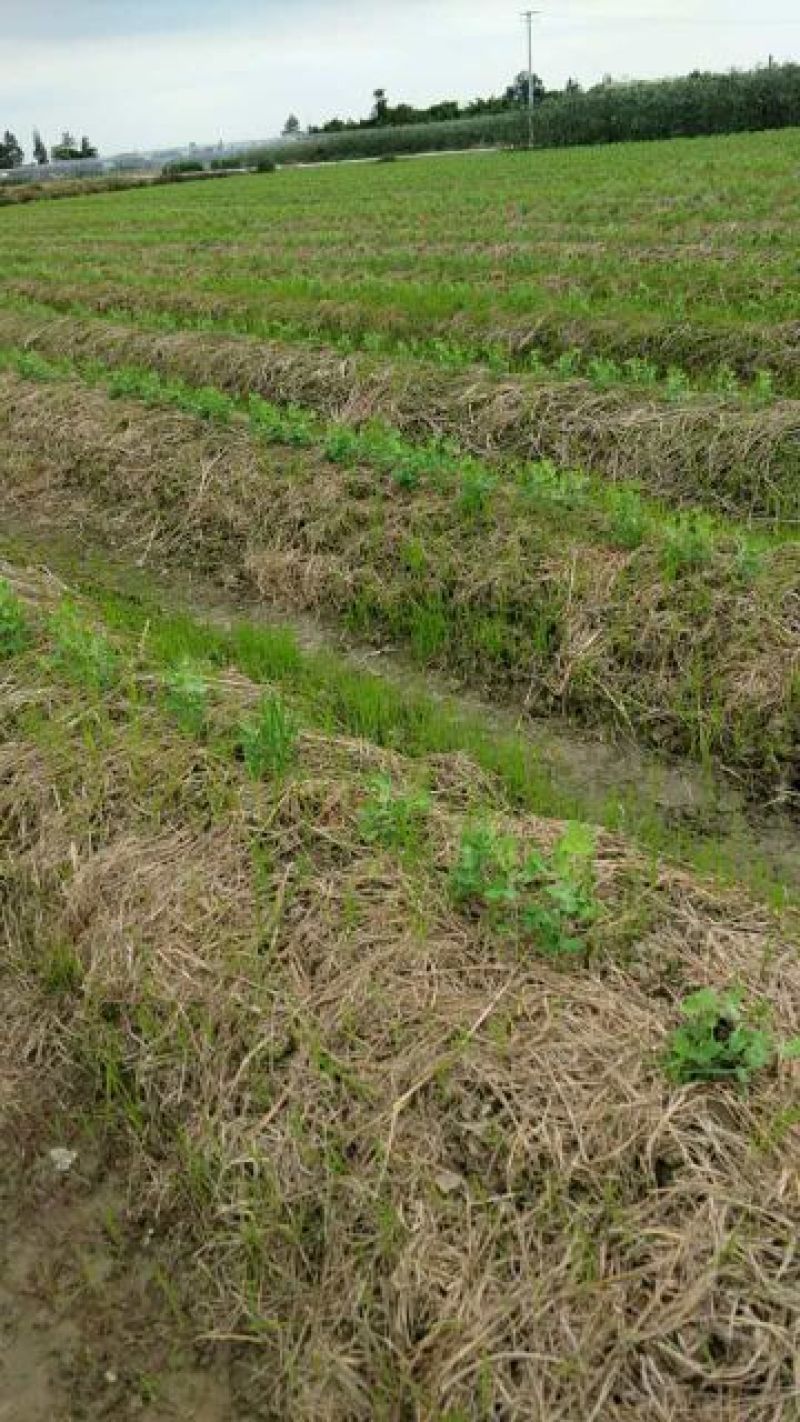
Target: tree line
12, 154
612, 111
387, 115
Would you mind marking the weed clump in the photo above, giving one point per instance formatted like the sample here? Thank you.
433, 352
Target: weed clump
14, 633
541, 899
393, 819
719, 1039
268, 741
187, 699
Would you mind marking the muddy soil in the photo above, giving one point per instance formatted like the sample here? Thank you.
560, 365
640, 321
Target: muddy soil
90, 1327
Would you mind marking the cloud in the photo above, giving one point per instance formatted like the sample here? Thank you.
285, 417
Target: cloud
73, 21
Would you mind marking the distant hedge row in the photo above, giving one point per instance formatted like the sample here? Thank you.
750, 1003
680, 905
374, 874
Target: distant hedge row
611, 113
488, 131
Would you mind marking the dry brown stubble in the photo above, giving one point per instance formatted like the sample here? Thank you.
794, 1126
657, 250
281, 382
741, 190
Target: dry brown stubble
702, 658
737, 460
419, 1170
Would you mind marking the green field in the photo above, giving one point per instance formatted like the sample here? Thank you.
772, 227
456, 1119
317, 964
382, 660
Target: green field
400, 712
681, 254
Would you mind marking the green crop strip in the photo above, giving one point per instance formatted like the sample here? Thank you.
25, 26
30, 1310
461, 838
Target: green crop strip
602, 372
149, 666
618, 514
631, 256
323, 692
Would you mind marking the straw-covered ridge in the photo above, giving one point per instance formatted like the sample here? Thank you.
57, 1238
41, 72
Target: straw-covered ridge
691, 345
422, 1165
738, 459
691, 641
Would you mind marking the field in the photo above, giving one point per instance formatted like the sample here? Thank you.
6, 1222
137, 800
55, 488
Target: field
399, 778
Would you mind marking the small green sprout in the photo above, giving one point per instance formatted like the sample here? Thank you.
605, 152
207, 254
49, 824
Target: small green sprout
268, 741
392, 819
720, 1040
14, 633
540, 898
187, 699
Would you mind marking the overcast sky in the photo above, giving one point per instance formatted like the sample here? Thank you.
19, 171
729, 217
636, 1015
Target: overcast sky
152, 73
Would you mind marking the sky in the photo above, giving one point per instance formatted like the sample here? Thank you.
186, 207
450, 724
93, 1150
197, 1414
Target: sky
143, 74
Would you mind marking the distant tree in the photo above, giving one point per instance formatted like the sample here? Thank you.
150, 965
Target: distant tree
572, 87
517, 93
39, 148
491, 105
65, 150
447, 109
380, 109
402, 113
291, 128
88, 149
610, 112
11, 154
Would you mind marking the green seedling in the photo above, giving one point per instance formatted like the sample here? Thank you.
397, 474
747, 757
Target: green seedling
629, 522
568, 364
717, 1040
640, 371
725, 382
677, 383
281, 424
187, 699
34, 367
265, 418
209, 404
14, 632
80, 651
297, 427
538, 898
135, 384
763, 385
603, 372
476, 489
689, 542
535, 362
342, 445
392, 819
268, 742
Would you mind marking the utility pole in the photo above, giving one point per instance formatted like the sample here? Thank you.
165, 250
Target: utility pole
528, 15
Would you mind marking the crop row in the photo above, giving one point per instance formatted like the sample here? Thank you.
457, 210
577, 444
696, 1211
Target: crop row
691, 352
684, 635
603, 372
713, 453
495, 280
618, 513
630, 259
